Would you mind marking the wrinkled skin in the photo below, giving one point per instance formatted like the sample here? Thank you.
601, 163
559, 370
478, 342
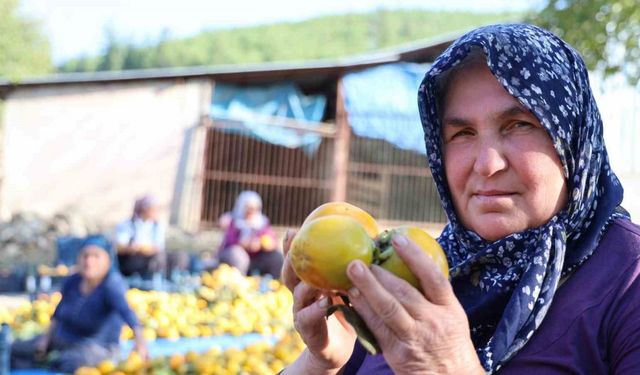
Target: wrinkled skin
329, 340
427, 244
419, 333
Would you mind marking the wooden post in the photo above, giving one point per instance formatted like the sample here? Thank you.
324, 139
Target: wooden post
341, 151
188, 211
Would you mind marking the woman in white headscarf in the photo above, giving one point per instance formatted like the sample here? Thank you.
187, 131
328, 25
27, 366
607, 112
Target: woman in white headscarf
249, 242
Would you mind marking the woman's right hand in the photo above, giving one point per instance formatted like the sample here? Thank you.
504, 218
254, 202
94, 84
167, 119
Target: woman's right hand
329, 340
41, 347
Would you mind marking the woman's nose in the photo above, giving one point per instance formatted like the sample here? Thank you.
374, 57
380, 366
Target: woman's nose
490, 159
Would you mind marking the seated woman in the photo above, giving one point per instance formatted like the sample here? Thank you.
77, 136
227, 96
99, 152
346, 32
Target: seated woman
140, 240
85, 327
249, 242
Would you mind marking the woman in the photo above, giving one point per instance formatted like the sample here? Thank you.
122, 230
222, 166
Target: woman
249, 242
140, 240
85, 327
544, 261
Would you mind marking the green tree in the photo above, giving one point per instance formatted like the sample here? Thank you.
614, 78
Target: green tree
318, 38
24, 50
605, 32
115, 52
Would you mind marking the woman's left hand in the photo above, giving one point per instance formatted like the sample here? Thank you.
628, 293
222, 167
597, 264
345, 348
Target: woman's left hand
419, 333
142, 351
254, 245
140, 345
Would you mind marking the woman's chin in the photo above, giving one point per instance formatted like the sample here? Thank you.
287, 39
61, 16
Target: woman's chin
493, 227
93, 276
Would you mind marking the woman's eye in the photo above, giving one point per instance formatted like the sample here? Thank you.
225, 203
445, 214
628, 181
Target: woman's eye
521, 125
460, 133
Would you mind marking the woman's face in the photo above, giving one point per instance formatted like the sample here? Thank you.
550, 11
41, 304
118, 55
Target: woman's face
251, 209
150, 213
94, 263
502, 169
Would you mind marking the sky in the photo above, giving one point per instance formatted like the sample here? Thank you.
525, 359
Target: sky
78, 27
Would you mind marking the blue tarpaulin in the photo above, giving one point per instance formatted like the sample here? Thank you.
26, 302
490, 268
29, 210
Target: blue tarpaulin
256, 109
382, 104
164, 347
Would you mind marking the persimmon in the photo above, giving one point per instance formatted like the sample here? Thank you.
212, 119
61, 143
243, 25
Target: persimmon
346, 209
323, 248
337, 233
391, 261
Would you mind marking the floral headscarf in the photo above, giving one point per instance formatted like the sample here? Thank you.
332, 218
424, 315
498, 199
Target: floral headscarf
507, 286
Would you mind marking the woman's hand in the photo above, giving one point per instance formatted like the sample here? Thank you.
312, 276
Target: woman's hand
140, 345
419, 333
42, 347
254, 244
44, 341
329, 340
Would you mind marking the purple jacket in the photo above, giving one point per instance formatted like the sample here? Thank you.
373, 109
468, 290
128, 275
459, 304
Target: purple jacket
593, 325
232, 236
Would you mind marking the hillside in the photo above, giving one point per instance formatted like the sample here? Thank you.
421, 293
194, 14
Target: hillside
317, 38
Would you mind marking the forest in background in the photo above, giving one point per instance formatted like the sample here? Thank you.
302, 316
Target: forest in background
605, 32
317, 38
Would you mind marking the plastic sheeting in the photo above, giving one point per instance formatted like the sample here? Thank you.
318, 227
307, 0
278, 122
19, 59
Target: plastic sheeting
256, 109
164, 347
382, 104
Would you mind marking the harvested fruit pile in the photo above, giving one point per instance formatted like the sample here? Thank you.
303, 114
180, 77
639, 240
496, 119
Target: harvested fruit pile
259, 359
226, 303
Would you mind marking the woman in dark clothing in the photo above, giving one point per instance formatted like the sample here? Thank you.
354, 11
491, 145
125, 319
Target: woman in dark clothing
85, 327
545, 263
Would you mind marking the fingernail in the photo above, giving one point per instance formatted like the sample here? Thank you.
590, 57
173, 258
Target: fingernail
287, 235
399, 240
356, 268
354, 292
324, 302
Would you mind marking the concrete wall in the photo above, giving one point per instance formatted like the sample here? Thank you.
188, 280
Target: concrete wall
631, 184
95, 147
619, 106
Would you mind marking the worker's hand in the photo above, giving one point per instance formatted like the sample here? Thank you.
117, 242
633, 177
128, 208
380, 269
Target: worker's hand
143, 351
417, 331
146, 249
41, 347
329, 340
140, 345
254, 245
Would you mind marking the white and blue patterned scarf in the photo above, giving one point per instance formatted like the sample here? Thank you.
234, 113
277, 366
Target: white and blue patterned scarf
507, 286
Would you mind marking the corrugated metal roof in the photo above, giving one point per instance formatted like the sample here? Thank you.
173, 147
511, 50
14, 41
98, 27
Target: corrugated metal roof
420, 51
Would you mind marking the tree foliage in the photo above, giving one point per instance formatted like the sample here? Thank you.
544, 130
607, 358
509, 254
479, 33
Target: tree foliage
605, 32
24, 49
322, 37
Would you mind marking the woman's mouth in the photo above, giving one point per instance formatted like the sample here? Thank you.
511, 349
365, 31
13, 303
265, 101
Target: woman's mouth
493, 198
492, 193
